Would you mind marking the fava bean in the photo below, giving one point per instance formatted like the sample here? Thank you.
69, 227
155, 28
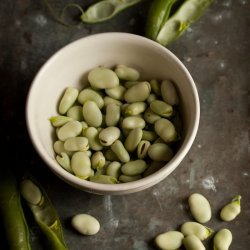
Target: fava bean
78, 143
171, 240
161, 108
59, 120
231, 210
166, 130
114, 169
30, 192
125, 178
151, 98
104, 179
103, 78
70, 129
135, 108
120, 151
109, 135
93, 136
97, 160
91, 95
85, 224
75, 113
142, 149
64, 161
223, 239
134, 168
133, 139
200, 208
160, 152
148, 135
127, 73
129, 84
192, 242
150, 116
138, 92
156, 87
110, 155
92, 114
116, 92
168, 93
108, 100
202, 232
59, 148
132, 122
81, 165
112, 114
68, 99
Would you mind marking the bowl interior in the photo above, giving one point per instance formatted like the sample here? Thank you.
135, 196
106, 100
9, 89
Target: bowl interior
69, 67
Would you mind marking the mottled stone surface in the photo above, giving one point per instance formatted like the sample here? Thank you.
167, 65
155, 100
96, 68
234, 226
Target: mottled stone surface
216, 52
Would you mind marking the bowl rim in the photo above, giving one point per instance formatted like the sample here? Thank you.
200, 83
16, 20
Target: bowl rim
121, 187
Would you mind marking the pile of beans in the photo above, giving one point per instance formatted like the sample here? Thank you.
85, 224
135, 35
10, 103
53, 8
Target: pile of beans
119, 128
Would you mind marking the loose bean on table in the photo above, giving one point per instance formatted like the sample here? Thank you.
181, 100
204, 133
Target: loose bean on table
117, 129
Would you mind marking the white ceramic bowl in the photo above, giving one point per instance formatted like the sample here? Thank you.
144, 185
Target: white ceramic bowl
69, 67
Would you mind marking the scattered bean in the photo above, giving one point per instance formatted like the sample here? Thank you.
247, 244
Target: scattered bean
135, 108
85, 224
231, 210
150, 116
93, 136
132, 122
171, 240
156, 87
192, 242
200, 231
104, 179
200, 208
223, 239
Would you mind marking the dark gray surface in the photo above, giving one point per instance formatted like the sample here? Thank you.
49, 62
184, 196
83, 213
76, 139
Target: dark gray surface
216, 52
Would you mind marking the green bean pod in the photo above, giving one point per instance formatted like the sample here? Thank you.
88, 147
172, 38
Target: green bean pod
14, 223
186, 14
46, 217
158, 14
105, 10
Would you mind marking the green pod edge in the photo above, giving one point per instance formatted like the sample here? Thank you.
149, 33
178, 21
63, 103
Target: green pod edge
158, 14
14, 222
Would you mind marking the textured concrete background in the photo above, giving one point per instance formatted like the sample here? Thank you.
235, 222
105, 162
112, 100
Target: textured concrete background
216, 52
